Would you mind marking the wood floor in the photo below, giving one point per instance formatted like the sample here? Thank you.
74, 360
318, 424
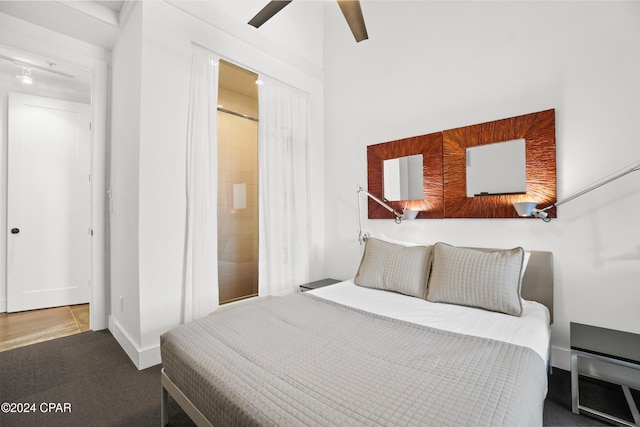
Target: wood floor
30, 327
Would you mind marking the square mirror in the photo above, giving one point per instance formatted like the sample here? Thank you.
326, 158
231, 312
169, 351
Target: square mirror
403, 178
497, 169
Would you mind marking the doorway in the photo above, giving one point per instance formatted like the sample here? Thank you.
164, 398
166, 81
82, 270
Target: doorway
48, 203
34, 326
84, 81
237, 183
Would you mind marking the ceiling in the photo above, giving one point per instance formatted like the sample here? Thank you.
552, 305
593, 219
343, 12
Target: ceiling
50, 78
112, 4
95, 22
237, 79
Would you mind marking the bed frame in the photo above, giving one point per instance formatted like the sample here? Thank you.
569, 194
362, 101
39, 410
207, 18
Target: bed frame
169, 388
537, 282
537, 285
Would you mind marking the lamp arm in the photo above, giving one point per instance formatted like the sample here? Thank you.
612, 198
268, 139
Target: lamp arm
631, 168
399, 216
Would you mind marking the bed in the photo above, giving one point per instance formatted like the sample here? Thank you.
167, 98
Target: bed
422, 335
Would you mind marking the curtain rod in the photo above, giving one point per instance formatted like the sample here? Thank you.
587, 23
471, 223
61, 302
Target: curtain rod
233, 113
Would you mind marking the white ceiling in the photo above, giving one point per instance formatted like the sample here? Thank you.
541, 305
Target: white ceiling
112, 4
99, 23
50, 79
95, 22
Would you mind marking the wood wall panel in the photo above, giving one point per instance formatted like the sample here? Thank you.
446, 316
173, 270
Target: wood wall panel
430, 146
444, 168
538, 130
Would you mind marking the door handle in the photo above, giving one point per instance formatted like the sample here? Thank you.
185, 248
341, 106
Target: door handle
15, 230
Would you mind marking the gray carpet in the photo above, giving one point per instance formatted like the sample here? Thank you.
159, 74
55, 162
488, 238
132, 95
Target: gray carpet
91, 373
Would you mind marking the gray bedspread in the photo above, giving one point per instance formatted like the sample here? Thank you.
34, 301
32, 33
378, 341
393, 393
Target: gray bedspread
302, 361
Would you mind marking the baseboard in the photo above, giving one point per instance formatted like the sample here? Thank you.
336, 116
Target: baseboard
3, 305
149, 357
560, 358
141, 358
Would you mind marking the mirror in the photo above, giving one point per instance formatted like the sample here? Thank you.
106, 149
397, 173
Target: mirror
403, 178
429, 149
539, 132
497, 169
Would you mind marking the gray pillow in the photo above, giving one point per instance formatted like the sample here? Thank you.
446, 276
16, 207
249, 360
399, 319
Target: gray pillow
470, 277
395, 268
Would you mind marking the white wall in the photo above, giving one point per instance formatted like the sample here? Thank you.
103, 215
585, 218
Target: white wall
124, 319
293, 35
158, 224
430, 66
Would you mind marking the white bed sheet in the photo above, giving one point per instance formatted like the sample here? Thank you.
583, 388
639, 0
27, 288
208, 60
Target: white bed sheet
530, 330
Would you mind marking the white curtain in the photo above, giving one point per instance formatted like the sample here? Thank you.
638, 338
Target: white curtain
200, 281
284, 194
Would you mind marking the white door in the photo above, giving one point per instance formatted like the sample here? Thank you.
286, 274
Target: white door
48, 203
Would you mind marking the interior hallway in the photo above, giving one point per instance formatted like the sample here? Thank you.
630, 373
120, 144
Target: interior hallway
30, 327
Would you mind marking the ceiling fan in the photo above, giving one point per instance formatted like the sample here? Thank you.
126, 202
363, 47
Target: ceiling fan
350, 9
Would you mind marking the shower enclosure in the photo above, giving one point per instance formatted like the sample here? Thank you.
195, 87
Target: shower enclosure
237, 183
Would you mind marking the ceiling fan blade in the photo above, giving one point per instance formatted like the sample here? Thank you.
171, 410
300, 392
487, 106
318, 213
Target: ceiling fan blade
353, 14
267, 12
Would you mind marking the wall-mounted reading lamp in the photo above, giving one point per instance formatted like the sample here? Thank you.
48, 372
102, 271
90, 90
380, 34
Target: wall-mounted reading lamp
529, 208
406, 213
399, 216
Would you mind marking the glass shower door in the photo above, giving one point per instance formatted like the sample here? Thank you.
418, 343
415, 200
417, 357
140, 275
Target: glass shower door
237, 183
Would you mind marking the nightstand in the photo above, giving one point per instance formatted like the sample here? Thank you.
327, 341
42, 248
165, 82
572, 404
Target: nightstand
318, 284
606, 345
